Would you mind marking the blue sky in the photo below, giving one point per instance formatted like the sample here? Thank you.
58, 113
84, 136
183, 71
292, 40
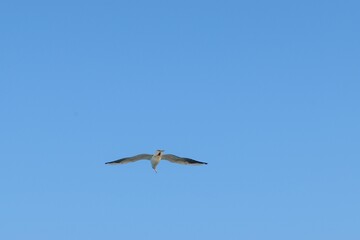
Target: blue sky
266, 92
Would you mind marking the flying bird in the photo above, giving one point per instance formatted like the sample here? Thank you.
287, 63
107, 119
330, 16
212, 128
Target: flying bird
155, 159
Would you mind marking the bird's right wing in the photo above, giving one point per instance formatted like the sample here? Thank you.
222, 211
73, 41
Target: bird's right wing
131, 159
180, 160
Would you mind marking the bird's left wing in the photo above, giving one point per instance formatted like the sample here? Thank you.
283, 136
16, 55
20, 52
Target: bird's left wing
175, 159
131, 159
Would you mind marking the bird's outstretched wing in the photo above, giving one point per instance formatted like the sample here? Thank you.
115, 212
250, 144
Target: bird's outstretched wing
131, 159
175, 159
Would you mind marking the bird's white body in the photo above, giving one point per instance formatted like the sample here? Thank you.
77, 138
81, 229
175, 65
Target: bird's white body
155, 159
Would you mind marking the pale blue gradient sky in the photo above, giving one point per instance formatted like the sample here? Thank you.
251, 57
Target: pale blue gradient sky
266, 92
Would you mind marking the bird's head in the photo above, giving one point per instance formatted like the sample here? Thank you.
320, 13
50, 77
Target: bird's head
159, 152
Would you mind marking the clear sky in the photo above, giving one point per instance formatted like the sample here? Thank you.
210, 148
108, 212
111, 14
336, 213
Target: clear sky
266, 92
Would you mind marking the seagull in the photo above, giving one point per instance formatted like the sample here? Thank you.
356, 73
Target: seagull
155, 159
